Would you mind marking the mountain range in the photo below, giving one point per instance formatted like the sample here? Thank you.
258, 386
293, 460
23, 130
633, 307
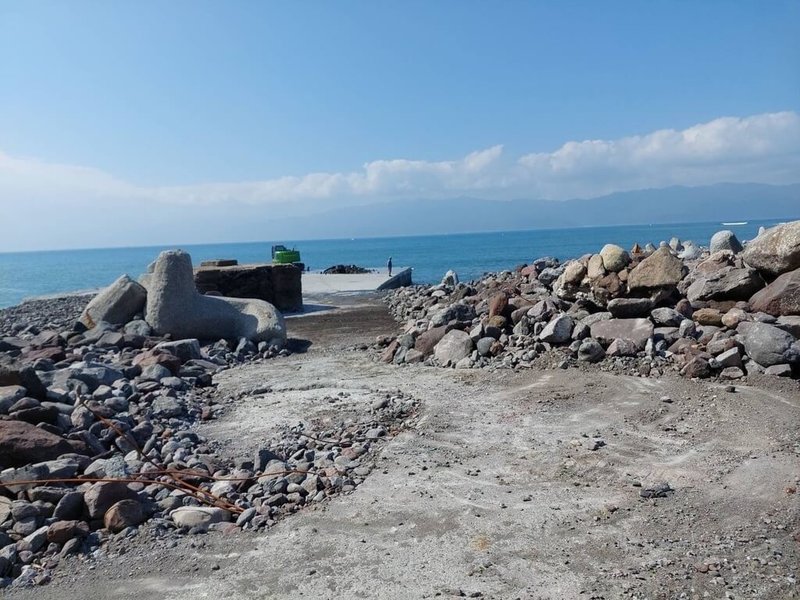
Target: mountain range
715, 203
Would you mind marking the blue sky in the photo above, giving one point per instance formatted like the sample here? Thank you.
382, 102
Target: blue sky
209, 102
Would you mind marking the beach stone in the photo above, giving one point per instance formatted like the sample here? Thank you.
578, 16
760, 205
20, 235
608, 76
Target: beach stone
660, 269
23, 444
636, 330
185, 350
498, 304
450, 279
61, 532
427, 341
729, 358
790, 323
123, 514
558, 330
158, 357
776, 251
454, 346
733, 317
728, 283
138, 327
175, 307
767, 344
731, 373
622, 347
779, 298
15, 374
624, 308
414, 356
614, 258
779, 370
669, 317
454, 312
199, 518
9, 395
697, 367
708, 316
595, 268
484, 346
690, 251
117, 304
725, 240
591, 351
574, 273
101, 496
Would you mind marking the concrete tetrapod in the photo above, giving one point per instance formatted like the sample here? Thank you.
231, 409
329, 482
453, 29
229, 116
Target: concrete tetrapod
175, 306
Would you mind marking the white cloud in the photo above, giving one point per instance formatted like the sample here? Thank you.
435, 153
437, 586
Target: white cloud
762, 148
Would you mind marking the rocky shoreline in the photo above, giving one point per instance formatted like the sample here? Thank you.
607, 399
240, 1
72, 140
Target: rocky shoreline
98, 438
727, 312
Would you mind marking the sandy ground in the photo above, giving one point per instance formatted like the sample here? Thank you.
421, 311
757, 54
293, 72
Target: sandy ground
494, 491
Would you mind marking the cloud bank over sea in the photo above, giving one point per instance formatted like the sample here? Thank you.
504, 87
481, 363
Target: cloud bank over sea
763, 148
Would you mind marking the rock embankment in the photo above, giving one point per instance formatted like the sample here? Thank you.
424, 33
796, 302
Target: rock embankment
724, 312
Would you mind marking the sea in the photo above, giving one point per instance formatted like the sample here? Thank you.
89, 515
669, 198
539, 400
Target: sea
25, 275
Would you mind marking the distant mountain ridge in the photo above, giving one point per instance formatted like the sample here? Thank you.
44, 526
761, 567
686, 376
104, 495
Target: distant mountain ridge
721, 202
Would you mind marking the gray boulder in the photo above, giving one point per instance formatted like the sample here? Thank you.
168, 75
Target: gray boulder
767, 345
728, 283
450, 279
174, 306
667, 316
775, 251
781, 297
558, 330
454, 346
116, 304
690, 251
725, 240
635, 330
623, 308
454, 312
660, 269
614, 258
591, 351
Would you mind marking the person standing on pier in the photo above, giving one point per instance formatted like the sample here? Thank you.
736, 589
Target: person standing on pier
389, 266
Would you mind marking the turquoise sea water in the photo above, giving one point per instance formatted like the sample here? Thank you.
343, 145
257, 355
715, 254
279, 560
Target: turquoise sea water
30, 274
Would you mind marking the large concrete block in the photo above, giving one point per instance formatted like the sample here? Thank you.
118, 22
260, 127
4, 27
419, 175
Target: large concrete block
175, 306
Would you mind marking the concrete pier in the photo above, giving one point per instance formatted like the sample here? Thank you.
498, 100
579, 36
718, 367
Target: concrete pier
319, 283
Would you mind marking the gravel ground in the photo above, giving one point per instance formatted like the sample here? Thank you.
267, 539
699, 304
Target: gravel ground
531, 484
49, 313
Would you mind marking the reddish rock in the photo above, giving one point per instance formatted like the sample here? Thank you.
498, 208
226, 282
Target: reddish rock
123, 514
781, 297
101, 496
61, 532
22, 443
636, 330
696, 367
660, 269
426, 342
54, 353
498, 304
158, 357
388, 355
708, 316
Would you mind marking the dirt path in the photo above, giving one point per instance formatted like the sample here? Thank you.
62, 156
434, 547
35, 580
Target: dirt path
507, 485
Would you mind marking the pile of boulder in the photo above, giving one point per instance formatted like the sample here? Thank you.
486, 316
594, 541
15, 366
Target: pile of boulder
725, 311
346, 270
97, 424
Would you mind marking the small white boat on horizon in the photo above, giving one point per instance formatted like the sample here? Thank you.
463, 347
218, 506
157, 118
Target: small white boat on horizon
736, 223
